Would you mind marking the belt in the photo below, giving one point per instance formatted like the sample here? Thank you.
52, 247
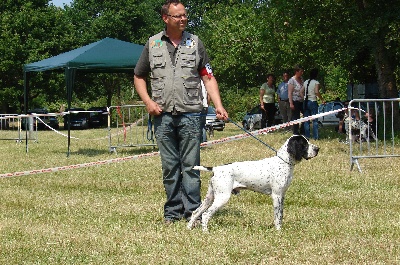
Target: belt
285, 100
175, 112
179, 113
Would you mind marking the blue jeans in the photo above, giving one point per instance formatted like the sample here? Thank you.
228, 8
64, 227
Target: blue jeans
178, 139
311, 109
298, 108
203, 120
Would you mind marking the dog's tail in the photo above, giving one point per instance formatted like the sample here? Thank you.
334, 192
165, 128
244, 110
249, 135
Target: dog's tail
203, 168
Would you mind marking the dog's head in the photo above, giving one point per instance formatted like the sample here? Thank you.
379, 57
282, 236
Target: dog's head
298, 147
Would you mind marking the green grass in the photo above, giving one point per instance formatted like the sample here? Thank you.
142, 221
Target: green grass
112, 214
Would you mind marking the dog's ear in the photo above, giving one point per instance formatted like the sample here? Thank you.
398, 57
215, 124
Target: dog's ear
297, 147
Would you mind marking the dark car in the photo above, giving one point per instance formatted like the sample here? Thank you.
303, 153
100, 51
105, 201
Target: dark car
252, 120
211, 119
78, 119
98, 117
40, 121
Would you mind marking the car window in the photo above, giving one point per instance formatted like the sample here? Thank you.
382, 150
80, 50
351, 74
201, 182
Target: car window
211, 110
38, 111
329, 107
79, 115
337, 106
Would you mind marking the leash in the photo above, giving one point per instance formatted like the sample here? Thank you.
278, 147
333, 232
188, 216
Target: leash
149, 133
249, 133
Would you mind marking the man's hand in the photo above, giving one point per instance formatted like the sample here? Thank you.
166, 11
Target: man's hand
221, 113
153, 108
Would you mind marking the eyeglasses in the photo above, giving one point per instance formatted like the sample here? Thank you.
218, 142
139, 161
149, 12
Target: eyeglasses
178, 16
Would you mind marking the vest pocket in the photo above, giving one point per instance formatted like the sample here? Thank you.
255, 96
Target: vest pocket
188, 60
192, 91
157, 60
157, 90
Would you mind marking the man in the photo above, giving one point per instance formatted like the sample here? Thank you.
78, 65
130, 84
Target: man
177, 62
283, 99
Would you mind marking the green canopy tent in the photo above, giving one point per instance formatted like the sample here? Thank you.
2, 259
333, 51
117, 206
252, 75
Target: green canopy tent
106, 55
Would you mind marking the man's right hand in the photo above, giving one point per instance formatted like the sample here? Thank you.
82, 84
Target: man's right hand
153, 108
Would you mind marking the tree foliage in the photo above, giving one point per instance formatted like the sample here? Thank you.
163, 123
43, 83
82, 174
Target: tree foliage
349, 41
30, 30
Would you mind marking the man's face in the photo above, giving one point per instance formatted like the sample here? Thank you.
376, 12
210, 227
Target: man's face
285, 77
176, 18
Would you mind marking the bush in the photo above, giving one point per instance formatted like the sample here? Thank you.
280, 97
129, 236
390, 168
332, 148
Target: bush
238, 103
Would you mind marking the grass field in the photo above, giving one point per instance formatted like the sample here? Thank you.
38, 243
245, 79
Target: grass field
112, 214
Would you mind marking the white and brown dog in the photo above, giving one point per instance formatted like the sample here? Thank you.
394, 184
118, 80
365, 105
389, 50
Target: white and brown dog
271, 175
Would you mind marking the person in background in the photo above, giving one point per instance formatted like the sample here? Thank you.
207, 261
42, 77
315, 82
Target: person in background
267, 101
295, 84
310, 93
177, 62
283, 98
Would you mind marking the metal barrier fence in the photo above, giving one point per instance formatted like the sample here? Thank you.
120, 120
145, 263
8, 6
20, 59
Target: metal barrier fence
133, 127
9, 122
13, 123
370, 129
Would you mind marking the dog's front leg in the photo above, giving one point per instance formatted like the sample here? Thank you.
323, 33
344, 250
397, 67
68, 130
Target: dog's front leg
277, 200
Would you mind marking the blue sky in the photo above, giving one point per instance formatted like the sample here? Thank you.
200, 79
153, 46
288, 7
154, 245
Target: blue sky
60, 3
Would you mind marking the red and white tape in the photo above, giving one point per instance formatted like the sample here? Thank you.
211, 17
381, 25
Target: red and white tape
129, 158
270, 129
90, 164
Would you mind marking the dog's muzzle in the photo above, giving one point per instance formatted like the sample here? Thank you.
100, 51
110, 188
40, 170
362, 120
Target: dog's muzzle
312, 152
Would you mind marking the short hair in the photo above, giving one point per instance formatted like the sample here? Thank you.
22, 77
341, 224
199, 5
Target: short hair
297, 68
167, 4
314, 73
268, 75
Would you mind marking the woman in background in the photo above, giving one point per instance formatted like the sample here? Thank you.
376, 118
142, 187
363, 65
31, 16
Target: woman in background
295, 84
310, 92
267, 101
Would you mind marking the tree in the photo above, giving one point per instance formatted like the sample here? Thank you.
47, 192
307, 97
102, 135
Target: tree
237, 45
354, 35
248, 39
30, 31
132, 21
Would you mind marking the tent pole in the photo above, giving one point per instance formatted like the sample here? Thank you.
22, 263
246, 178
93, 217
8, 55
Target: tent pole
69, 79
69, 96
26, 92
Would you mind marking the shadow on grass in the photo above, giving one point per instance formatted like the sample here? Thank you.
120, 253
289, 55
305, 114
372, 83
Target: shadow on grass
93, 152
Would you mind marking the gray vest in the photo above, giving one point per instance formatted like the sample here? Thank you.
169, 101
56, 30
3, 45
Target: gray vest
175, 86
